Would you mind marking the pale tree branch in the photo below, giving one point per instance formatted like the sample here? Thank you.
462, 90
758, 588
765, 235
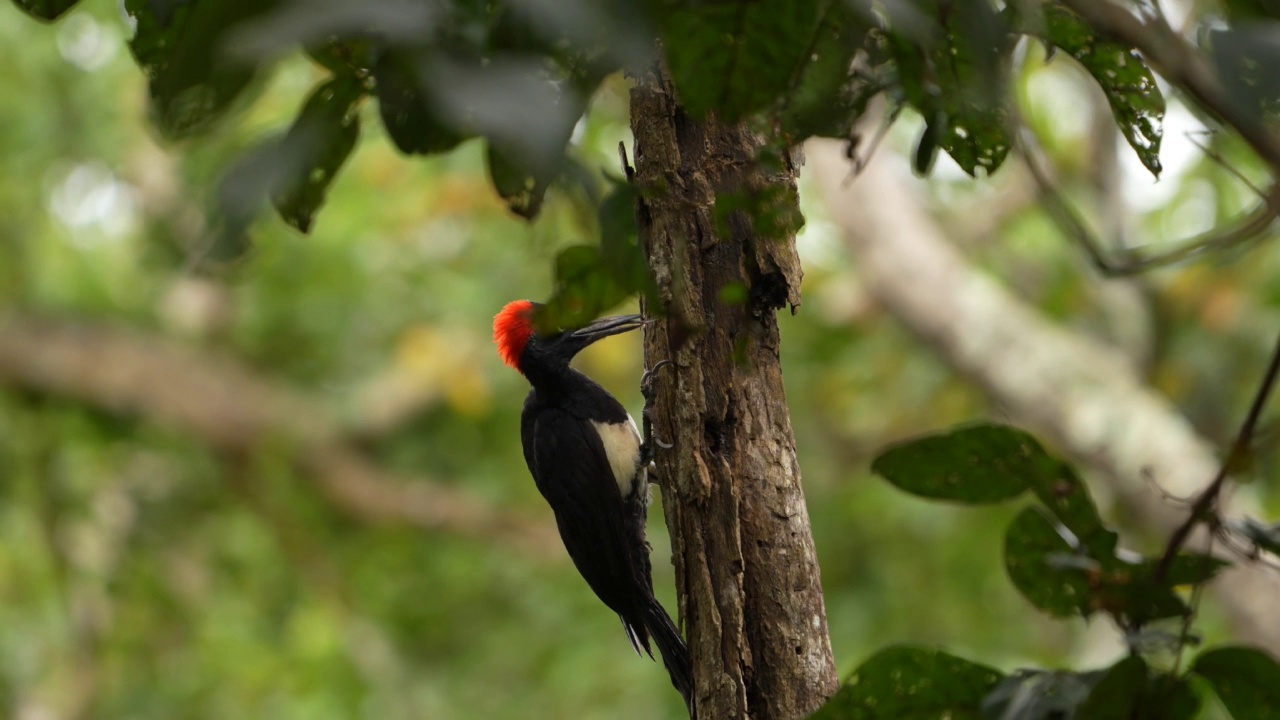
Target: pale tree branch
227, 405
1071, 389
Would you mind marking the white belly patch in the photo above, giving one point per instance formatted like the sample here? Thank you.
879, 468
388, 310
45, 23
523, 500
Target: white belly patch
622, 447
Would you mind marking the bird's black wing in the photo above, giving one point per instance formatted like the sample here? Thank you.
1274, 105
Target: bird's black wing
569, 465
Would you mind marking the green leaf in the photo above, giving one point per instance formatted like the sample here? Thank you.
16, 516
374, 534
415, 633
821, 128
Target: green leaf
45, 9
315, 148
1118, 694
900, 683
978, 464
413, 118
826, 100
525, 158
1039, 695
739, 57
1131, 90
584, 289
1034, 558
182, 48
953, 68
1247, 681
620, 251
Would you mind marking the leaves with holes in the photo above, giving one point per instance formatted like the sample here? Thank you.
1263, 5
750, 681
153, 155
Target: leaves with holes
1131, 90
185, 50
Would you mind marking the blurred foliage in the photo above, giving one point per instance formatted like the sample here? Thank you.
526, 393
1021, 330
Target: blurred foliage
144, 575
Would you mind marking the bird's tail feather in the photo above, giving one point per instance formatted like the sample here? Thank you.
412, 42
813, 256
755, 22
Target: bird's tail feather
675, 654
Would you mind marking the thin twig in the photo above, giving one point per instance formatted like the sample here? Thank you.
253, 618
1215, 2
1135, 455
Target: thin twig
1204, 505
1248, 227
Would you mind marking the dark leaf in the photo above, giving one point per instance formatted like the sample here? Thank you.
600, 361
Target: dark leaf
316, 146
1247, 681
927, 145
1118, 694
620, 251
45, 9
827, 100
1192, 569
953, 61
584, 289
1170, 698
1039, 695
739, 57
979, 464
908, 682
344, 56
1131, 90
412, 116
528, 119
1246, 56
183, 48
1033, 549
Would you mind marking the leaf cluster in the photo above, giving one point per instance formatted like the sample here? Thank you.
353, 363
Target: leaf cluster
1065, 561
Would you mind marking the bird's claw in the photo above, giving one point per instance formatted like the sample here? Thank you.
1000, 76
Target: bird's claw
646, 416
646, 381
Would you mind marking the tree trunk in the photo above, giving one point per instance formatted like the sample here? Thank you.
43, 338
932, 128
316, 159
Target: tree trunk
746, 571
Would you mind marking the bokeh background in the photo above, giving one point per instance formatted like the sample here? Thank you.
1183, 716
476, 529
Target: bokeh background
148, 571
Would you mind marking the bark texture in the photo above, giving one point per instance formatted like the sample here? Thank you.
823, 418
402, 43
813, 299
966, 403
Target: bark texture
746, 571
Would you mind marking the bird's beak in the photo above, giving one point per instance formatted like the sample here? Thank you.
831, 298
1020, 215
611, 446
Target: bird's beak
604, 327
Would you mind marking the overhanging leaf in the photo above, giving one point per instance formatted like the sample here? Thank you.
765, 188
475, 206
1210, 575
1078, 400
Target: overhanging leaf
910, 682
1131, 90
45, 9
953, 67
315, 148
183, 48
1247, 681
412, 117
826, 99
737, 57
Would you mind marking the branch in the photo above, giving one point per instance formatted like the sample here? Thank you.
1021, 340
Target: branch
1074, 391
224, 403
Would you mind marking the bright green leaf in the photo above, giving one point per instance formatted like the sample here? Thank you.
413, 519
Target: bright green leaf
1247, 681
902, 683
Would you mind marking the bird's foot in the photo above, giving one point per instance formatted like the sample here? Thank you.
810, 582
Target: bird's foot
646, 416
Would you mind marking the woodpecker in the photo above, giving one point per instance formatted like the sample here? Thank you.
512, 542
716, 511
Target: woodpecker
584, 452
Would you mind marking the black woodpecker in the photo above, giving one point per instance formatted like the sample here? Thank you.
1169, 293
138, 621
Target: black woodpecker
584, 452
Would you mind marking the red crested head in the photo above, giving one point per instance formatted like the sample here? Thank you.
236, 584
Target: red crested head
512, 328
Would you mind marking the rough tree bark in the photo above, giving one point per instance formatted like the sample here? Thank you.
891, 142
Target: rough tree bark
746, 571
